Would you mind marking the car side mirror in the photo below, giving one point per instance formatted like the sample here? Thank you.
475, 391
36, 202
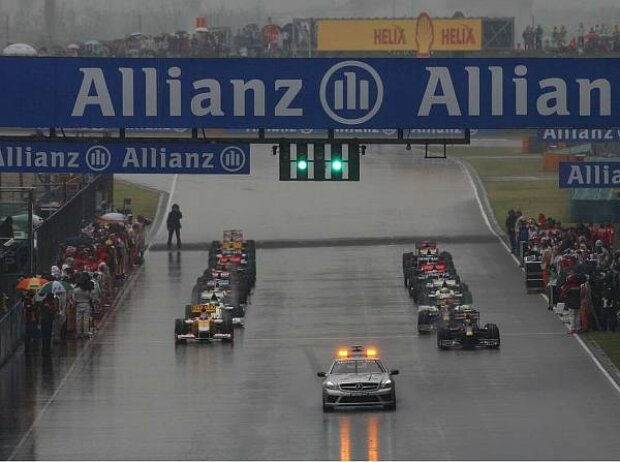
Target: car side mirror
321, 374
394, 372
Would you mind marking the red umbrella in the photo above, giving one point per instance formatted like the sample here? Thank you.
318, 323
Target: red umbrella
31, 284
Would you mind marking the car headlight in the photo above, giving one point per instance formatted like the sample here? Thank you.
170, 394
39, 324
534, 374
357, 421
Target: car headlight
330, 385
387, 384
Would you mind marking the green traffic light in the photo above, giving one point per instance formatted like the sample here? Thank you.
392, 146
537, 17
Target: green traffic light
336, 165
302, 164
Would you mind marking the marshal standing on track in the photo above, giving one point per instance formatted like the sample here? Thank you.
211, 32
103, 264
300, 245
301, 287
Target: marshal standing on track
173, 223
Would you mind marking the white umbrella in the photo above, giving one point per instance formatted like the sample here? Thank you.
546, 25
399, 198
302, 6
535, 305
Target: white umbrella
137, 35
19, 49
202, 29
52, 287
23, 218
113, 217
73, 46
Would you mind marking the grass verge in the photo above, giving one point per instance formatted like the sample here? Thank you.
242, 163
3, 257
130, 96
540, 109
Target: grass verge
498, 167
143, 200
531, 197
609, 342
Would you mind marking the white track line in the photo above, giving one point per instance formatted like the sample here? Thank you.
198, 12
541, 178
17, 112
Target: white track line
87, 348
380, 337
585, 347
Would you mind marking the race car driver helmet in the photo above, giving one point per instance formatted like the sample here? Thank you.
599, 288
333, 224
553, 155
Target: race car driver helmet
203, 313
444, 290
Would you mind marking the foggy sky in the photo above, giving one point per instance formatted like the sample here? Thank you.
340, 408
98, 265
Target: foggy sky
24, 20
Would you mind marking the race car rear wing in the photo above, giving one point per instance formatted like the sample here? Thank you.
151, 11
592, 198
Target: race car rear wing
461, 315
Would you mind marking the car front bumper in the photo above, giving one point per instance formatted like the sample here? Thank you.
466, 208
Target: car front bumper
339, 398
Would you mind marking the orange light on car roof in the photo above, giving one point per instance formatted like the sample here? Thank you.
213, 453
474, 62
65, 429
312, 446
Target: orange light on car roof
343, 353
370, 352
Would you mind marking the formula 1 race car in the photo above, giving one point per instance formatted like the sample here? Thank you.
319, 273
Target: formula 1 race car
461, 328
431, 316
449, 289
429, 278
208, 290
426, 253
204, 323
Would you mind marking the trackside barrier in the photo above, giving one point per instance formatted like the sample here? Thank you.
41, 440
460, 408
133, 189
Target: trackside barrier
65, 222
523, 250
11, 332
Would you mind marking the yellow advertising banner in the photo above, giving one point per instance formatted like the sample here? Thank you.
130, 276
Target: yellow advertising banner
424, 34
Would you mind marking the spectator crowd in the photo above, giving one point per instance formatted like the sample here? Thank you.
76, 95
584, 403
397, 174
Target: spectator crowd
73, 296
580, 267
270, 40
601, 38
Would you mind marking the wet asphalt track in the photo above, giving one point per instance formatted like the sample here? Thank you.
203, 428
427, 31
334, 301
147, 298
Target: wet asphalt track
133, 395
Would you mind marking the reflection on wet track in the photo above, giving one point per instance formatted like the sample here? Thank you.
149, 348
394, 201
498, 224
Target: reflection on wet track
135, 396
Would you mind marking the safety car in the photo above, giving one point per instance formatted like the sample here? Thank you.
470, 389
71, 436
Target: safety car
357, 377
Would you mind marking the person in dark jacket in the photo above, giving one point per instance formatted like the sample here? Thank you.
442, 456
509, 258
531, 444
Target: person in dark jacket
571, 296
49, 308
173, 223
510, 230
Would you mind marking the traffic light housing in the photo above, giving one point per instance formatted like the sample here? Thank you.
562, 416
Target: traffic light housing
285, 161
319, 162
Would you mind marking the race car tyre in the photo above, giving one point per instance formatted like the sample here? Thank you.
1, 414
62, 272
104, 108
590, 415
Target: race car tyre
392, 407
445, 256
441, 335
493, 333
188, 311
423, 321
179, 329
468, 299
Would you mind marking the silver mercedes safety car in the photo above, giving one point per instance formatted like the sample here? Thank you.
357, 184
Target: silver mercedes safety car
357, 377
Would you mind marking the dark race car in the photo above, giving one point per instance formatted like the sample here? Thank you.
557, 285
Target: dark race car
461, 329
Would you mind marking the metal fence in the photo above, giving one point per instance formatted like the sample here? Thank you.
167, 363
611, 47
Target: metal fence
11, 331
65, 222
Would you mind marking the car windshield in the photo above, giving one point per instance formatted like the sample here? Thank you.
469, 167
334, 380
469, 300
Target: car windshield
357, 366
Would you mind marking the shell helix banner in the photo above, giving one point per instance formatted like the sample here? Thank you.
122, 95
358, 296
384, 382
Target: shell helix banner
423, 34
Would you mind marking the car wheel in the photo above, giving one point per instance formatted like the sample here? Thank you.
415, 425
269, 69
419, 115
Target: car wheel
493, 333
188, 309
392, 407
422, 321
179, 329
441, 335
326, 407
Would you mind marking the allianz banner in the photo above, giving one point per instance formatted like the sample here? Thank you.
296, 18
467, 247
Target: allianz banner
589, 175
74, 157
399, 34
579, 135
284, 93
